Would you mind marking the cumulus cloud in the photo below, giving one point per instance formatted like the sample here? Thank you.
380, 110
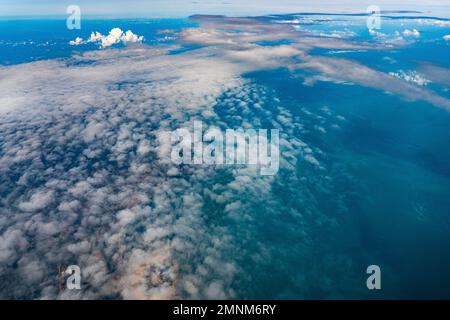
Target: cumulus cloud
345, 70
38, 201
92, 178
434, 22
76, 42
115, 36
376, 33
437, 74
411, 33
95, 37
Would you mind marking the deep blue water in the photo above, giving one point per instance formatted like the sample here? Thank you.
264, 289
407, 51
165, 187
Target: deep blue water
27, 40
388, 161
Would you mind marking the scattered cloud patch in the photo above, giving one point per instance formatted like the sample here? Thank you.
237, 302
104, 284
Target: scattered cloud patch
411, 76
434, 22
376, 33
76, 42
411, 33
115, 36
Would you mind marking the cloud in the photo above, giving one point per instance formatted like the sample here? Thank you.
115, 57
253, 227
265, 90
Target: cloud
435, 73
91, 171
434, 22
411, 33
345, 70
115, 36
376, 33
411, 76
12, 241
95, 37
87, 177
446, 38
76, 42
38, 201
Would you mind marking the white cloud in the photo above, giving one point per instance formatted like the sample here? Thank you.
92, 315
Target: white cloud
130, 37
411, 33
95, 37
115, 36
38, 201
76, 42
411, 76
376, 33
11, 242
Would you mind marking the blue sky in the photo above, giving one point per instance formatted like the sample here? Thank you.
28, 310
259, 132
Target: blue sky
177, 8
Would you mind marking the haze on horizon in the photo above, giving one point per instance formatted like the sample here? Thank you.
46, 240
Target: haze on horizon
183, 8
